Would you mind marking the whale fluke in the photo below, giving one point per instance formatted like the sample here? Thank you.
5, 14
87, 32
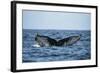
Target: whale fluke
68, 41
45, 41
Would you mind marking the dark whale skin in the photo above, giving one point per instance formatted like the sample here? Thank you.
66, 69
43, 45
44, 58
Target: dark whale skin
45, 41
49, 41
68, 41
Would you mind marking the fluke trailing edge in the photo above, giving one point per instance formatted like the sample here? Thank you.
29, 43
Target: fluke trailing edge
45, 41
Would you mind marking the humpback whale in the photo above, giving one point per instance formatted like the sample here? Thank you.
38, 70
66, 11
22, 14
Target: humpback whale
45, 41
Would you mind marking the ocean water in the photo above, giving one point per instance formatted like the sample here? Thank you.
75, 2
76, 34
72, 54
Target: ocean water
81, 50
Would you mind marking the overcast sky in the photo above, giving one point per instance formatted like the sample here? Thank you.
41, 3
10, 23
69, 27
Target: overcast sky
56, 20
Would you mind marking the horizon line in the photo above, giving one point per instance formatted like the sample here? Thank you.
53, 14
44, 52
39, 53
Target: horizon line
57, 29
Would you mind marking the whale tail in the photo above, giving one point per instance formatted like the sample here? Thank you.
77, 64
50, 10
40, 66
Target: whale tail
45, 41
68, 41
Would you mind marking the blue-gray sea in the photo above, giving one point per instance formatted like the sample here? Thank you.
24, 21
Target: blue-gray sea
81, 50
